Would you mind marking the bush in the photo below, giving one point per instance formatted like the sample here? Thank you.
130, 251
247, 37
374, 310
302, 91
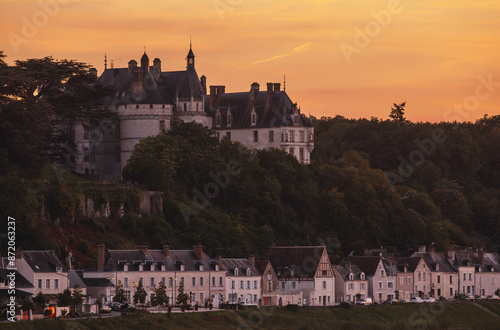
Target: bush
345, 305
292, 307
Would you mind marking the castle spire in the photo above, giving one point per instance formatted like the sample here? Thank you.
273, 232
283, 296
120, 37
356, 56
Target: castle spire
105, 62
190, 56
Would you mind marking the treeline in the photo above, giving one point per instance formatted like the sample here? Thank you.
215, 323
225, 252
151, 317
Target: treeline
371, 183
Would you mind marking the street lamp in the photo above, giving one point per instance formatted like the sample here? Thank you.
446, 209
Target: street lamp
232, 290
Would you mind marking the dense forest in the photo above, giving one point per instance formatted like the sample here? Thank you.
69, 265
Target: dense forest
371, 182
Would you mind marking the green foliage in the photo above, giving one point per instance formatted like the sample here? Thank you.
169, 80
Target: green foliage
398, 113
160, 297
119, 295
40, 299
27, 305
77, 297
345, 305
64, 298
182, 297
60, 201
140, 294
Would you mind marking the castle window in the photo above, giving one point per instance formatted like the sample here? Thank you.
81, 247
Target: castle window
228, 134
271, 136
163, 106
254, 118
301, 136
197, 104
292, 136
185, 106
228, 119
217, 121
137, 106
291, 151
301, 154
151, 106
162, 126
296, 119
255, 136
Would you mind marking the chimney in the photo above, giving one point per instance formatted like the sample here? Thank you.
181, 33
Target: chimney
198, 250
251, 259
68, 260
213, 91
131, 65
277, 87
390, 258
270, 87
203, 82
221, 89
219, 260
254, 89
166, 250
422, 248
432, 251
451, 256
481, 256
349, 265
138, 80
19, 253
157, 65
101, 255
143, 248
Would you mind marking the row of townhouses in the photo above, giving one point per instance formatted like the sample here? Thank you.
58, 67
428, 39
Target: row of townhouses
291, 275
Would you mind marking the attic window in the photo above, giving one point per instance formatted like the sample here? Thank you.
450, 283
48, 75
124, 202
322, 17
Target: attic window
59, 269
236, 271
182, 268
248, 271
137, 106
351, 277
228, 118
254, 118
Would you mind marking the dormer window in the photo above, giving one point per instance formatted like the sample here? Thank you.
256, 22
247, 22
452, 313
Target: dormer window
236, 271
216, 268
125, 268
228, 118
182, 268
59, 269
254, 118
362, 276
351, 277
248, 271
141, 267
217, 121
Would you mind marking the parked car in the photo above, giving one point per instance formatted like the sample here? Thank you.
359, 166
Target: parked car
391, 301
106, 308
493, 297
366, 301
417, 300
469, 298
429, 300
115, 306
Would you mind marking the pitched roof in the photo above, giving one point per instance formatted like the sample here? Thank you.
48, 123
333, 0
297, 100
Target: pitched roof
344, 271
241, 264
367, 264
437, 258
116, 259
43, 261
261, 266
410, 262
276, 112
297, 261
74, 278
21, 281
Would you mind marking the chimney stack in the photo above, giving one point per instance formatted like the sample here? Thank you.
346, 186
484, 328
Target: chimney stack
213, 91
422, 248
432, 251
251, 259
131, 65
101, 255
277, 87
254, 89
219, 260
19, 253
166, 250
481, 256
451, 256
203, 82
143, 248
198, 250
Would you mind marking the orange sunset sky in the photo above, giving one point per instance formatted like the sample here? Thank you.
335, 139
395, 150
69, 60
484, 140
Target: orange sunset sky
342, 57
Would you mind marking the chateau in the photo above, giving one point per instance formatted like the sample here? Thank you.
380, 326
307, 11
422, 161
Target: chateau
147, 98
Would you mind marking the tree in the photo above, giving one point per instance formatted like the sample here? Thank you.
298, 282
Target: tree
182, 297
140, 294
40, 299
398, 113
119, 293
77, 297
160, 296
64, 299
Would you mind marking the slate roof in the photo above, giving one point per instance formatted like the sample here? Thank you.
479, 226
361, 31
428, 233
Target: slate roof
344, 271
21, 281
156, 91
410, 262
261, 266
43, 261
440, 258
116, 259
278, 112
230, 264
302, 260
74, 278
97, 282
367, 264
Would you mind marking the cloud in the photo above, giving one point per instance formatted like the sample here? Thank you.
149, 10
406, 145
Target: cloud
302, 48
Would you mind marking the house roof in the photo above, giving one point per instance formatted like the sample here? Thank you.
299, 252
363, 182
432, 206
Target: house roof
261, 266
43, 261
344, 271
276, 112
230, 264
368, 264
410, 262
297, 262
116, 259
74, 278
437, 258
97, 282
21, 281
